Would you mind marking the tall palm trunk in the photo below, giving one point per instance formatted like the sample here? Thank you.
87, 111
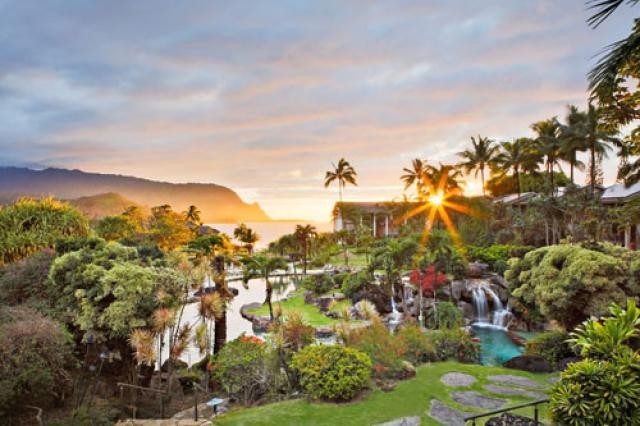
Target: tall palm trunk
516, 172
220, 326
268, 298
482, 177
592, 171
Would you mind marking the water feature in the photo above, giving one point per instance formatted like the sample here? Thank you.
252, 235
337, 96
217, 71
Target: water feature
395, 315
496, 347
500, 315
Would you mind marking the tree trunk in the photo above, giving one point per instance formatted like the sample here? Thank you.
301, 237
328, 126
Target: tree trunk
517, 173
268, 298
482, 177
592, 171
221, 323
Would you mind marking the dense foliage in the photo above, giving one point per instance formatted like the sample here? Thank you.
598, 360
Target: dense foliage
455, 344
569, 283
552, 346
240, 368
497, 255
26, 281
445, 315
29, 225
604, 388
35, 356
332, 372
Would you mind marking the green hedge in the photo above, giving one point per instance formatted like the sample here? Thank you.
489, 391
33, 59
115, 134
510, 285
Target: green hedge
551, 346
332, 372
497, 255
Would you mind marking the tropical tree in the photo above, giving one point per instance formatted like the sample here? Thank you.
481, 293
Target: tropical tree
393, 257
416, 175
479, 157
263, 266
29, 225
246, 235
304, 234
342, 173
513, 156
572, 139
549, 143
445, 177
168, 229
193, 215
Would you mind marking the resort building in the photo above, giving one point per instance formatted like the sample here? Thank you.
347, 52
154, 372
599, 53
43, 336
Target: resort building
617, 196
384, 218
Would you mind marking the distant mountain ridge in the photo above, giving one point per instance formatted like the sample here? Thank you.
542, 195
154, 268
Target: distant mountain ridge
217, 203
107, 204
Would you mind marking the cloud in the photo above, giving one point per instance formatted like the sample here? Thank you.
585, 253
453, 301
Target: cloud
263, 96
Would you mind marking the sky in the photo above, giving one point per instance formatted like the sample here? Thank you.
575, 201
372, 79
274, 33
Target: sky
263, 96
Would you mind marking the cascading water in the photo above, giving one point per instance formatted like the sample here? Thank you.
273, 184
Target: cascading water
499, 316
395, 315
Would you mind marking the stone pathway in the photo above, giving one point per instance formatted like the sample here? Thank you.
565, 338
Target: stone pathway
505, 390
509, 379
403, 421
445, 414
458, 379
475, 399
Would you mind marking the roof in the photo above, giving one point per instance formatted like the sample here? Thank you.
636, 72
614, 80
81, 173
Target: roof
373, 206
620, 193
514, 199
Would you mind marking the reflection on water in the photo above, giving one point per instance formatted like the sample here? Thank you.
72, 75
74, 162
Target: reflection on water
236, 325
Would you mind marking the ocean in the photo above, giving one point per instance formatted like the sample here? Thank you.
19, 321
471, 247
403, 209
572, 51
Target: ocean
270, 231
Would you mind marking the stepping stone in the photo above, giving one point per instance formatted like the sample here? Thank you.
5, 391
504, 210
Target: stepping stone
457, 379
553, 380
475, 399
505, 390
509, 379
403, 421
446, 415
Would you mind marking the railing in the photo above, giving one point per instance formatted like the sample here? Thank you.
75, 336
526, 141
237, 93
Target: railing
143, 389
472, 418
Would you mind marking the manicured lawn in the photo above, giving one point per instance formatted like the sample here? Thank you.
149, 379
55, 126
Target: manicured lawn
410, 398
295, 302
355, 259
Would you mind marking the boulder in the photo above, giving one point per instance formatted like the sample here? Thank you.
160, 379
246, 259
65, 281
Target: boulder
261, 324
564, 363
467, 309
477, 269
376, 295
508, 419
499, 281
458, 287
324, 332
323, 302
177, 364
530, 363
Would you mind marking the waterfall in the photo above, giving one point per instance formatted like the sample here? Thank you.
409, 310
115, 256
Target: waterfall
395, 315
499, 316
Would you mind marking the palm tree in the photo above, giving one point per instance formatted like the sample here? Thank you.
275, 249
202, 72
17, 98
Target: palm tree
304, 234
343, 173
548, 139
392, 258
263, 266
448, 174
193, 215
415, 175
479, 157
572, 139
599, 138
513, 157
247, 236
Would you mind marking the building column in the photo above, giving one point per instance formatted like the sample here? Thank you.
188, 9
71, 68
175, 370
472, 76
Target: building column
386, 226
627, 236
374, 225
338, 225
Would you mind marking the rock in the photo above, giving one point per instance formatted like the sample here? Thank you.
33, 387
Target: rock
475, 399
403, 421
308, 297
408, 371
497, 280
376, 295
176, 365
506, 390
446, 415
530, 363
338, 297
467, 309
324, 331
477, 269
204, 412
458, 287
323, 302
508, 419
261, 324
514, 380
458, 379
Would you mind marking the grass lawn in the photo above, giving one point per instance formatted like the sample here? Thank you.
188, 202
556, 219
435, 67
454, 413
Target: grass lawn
410, 398
355, 259
295, 302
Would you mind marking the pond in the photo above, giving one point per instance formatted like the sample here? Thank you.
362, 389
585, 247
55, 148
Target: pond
236, 325
495, 345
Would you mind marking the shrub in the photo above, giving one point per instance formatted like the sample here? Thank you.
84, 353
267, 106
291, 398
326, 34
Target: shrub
35, 359
332, 372
240, 368
318, 284
353, 283
418, 346
497, 255
366, 310
446, 315
552, 346
455, 344
385, 350
26, 279
605, 387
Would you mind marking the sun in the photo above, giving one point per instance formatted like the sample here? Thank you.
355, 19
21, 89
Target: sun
436, 199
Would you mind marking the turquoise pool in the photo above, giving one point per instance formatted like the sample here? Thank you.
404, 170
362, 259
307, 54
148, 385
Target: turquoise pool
495, 346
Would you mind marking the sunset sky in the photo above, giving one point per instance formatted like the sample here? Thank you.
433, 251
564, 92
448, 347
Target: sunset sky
262, 96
